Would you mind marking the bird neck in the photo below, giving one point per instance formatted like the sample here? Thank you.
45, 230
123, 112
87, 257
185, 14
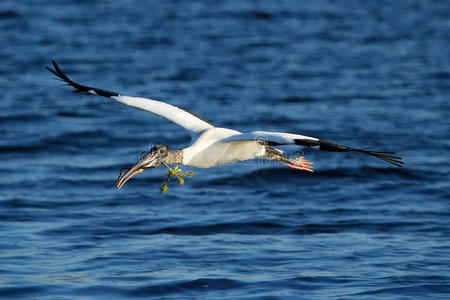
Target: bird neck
175, 157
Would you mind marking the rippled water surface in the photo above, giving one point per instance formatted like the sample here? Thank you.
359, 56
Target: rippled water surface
365, 74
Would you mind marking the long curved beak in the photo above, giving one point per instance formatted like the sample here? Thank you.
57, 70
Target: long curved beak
123, 178
149, 161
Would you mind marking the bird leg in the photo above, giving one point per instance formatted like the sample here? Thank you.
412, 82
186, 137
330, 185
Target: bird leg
299, 163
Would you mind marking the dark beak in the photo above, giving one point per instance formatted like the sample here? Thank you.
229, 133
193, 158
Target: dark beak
151, 160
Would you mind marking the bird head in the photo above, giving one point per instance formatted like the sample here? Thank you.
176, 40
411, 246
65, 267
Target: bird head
154, 158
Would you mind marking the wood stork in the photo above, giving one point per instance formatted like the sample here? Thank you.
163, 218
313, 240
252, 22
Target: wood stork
211, 146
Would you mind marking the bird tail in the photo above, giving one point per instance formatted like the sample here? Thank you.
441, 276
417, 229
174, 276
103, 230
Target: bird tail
387, 156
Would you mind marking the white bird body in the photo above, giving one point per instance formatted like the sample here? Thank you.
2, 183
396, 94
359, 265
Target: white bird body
219, 146
212, 146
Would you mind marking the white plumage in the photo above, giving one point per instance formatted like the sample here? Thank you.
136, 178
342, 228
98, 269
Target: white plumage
175, 114
212, 146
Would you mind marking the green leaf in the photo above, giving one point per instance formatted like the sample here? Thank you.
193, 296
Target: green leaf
164, 188
175, 172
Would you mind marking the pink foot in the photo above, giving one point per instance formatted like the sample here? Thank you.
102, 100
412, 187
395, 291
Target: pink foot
300, 163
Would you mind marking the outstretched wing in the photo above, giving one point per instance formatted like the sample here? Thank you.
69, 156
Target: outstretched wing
178, 115
281, 138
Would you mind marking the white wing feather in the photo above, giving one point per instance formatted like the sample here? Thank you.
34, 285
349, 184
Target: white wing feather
175, 114
281, 138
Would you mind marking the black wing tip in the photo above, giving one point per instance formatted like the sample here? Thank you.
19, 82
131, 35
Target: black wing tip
51, 70
306, 142
389, 158
60, 74
78, 87
57, 71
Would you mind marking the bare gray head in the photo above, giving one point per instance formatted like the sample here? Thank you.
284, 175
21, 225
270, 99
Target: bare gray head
160, 154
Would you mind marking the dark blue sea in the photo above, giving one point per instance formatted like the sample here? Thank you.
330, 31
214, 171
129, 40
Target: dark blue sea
367, 74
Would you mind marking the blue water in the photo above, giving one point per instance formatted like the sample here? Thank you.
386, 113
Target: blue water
362, 73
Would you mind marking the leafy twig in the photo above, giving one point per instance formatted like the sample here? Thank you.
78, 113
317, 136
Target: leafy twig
175, 172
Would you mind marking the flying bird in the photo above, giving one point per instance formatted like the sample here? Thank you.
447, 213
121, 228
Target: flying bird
212, 146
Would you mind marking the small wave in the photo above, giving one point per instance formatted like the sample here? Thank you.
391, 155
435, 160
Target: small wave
265, 174
187, 74
85, 183
374, 39
372, 172
351, 226
22, 203
297, 99
9, 14
201, 284
239, 228
22, 117
65, 140
255, 45
82, 134
75, 114
439, 75
145, 42
251, 15
22, 217
282, 174
22, 291
410, 290
255, 228
20, 148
